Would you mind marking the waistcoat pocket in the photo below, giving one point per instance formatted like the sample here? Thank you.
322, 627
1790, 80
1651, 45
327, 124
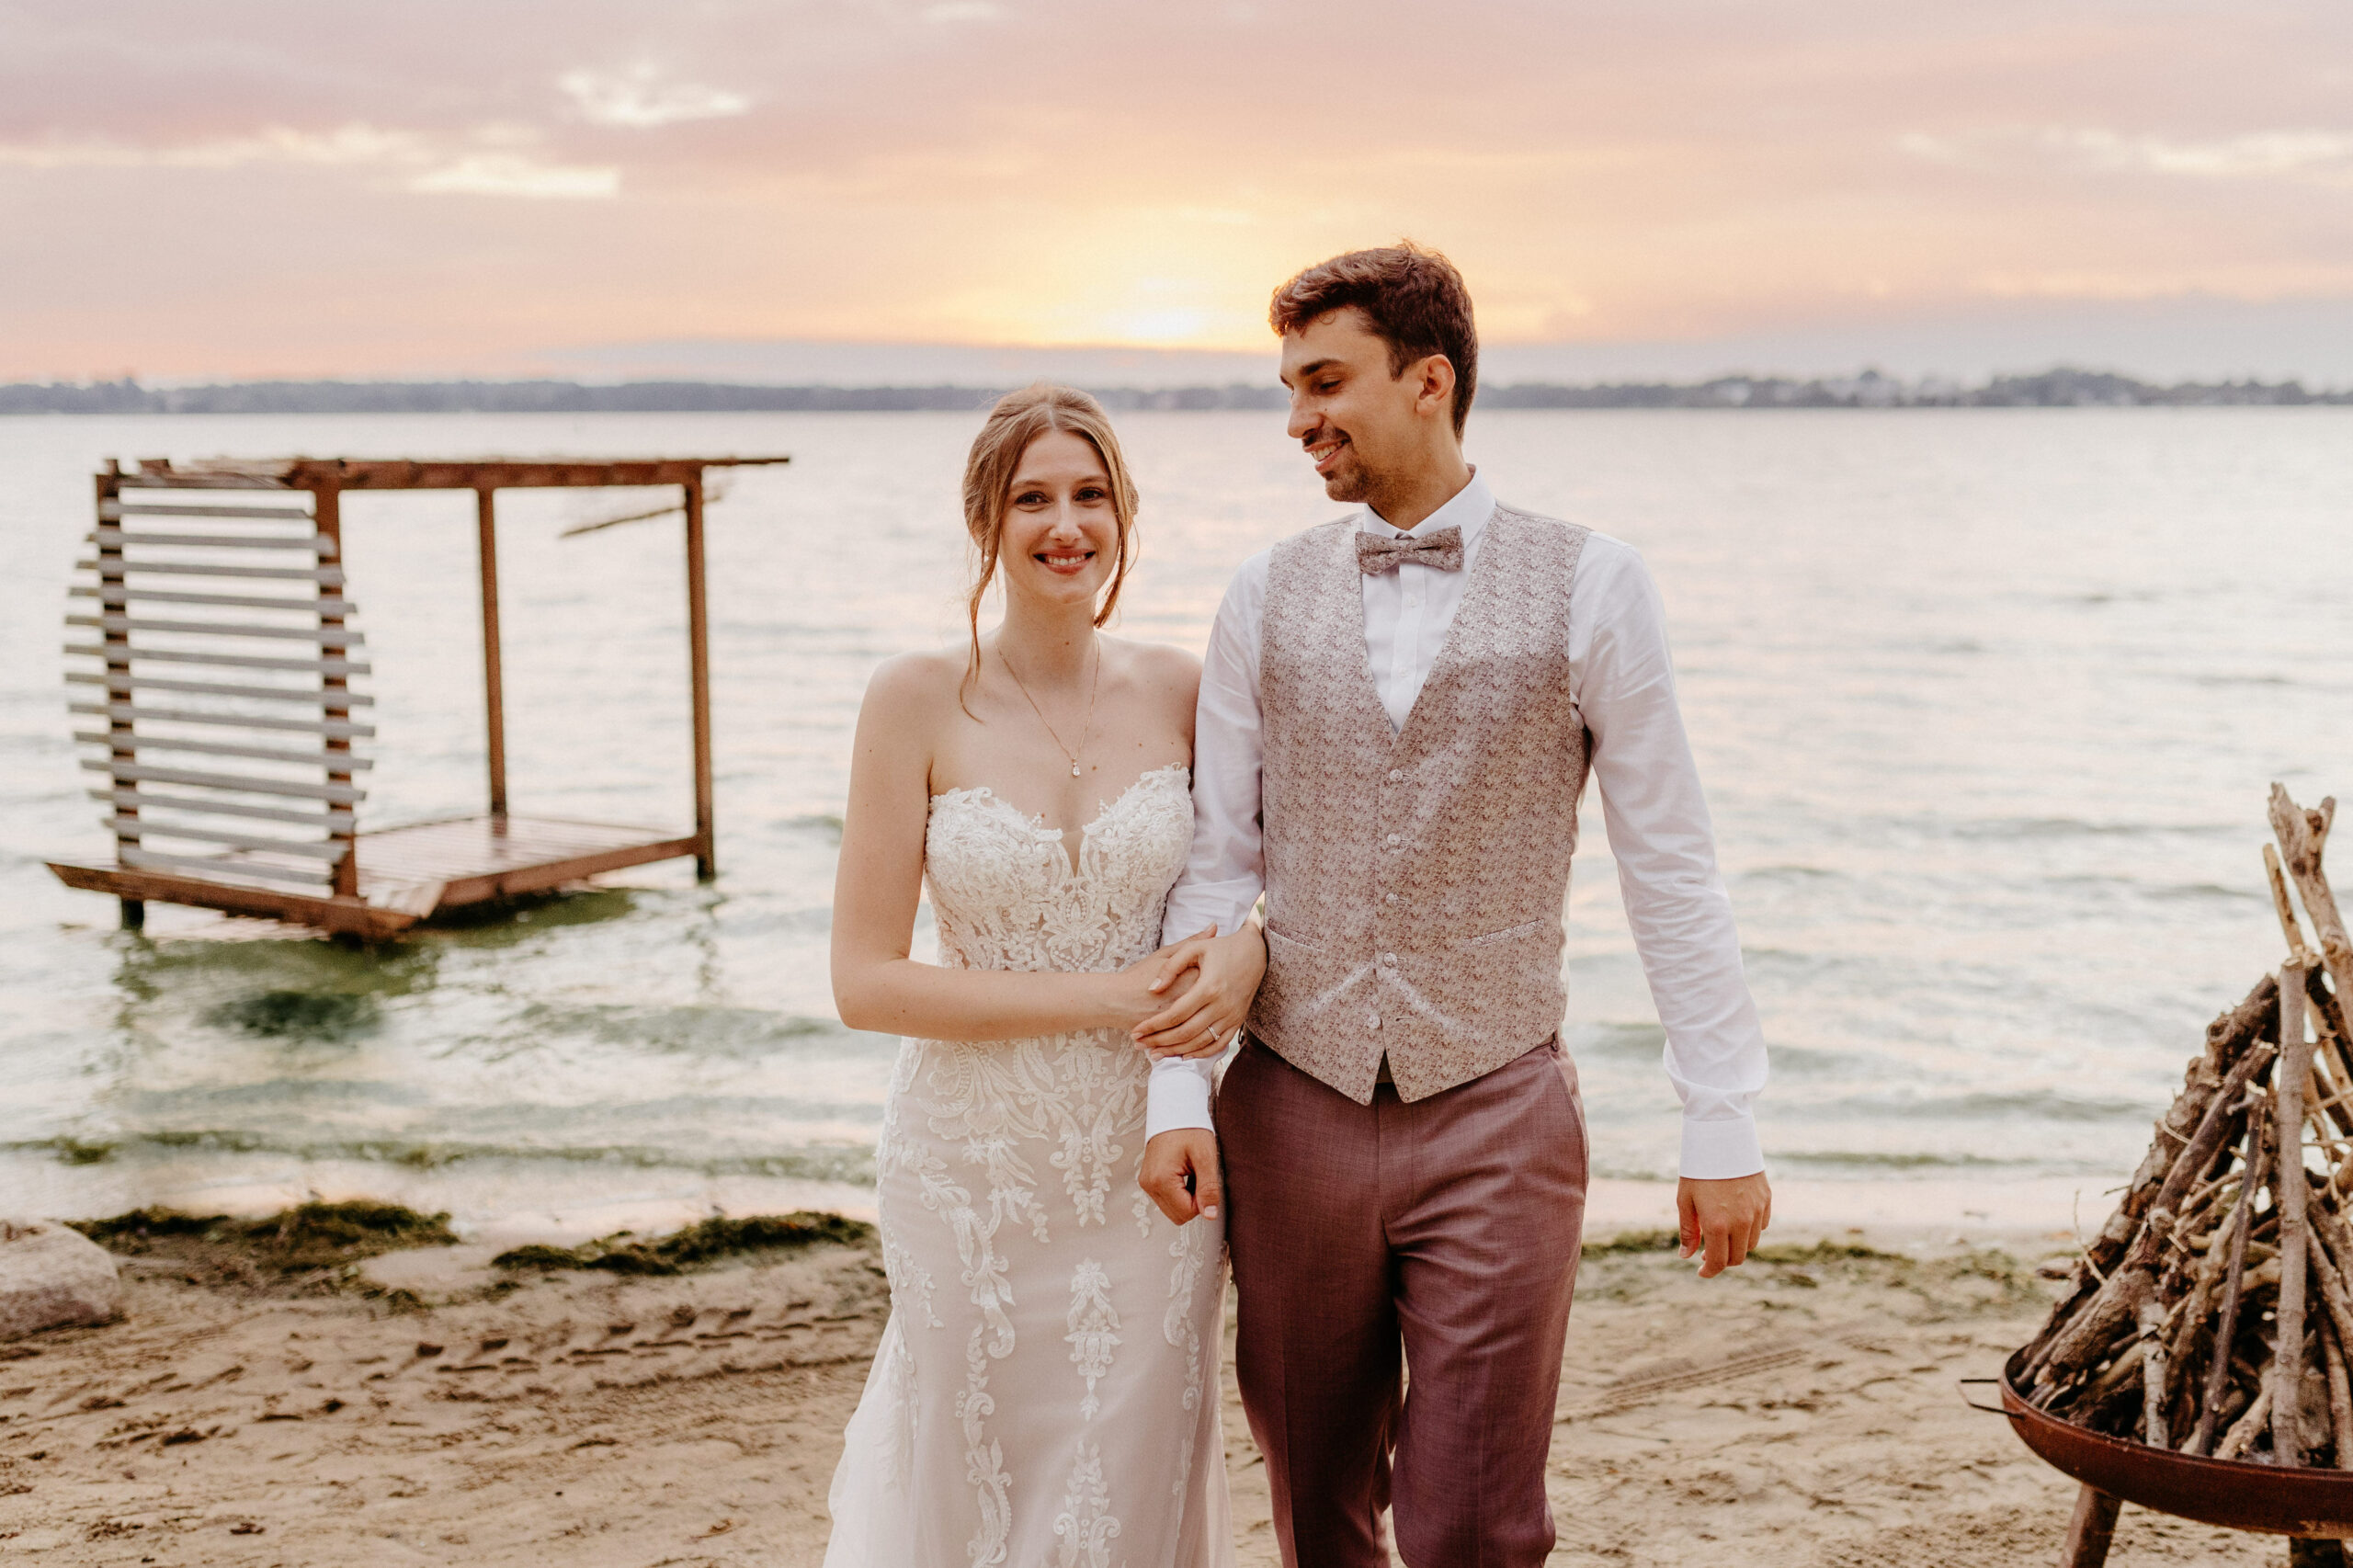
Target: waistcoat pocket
1288, 940
1525, 928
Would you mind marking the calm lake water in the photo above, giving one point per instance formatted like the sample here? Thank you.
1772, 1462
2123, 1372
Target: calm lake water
1986, 702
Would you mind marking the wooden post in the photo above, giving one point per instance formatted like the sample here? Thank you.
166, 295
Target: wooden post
2091, 1531
117, 657
2291, 1189
335, 693
698, 664
494, 682
2308, 1553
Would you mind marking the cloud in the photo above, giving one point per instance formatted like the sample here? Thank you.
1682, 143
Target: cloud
349, 144
2309, 156
2255, 156
638, 99
422, 163
510, 174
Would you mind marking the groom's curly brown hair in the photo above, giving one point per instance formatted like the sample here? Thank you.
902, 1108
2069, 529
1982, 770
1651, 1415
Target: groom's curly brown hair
1414, 298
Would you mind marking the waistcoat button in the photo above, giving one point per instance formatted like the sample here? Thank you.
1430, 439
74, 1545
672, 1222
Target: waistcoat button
1396, 776
1395, 839
1389, 897
1372, 1021
1389, 959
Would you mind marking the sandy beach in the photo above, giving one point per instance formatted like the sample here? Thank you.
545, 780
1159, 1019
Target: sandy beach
431, 1409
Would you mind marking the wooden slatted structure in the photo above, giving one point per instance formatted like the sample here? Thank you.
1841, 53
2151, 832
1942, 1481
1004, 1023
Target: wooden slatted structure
211, 630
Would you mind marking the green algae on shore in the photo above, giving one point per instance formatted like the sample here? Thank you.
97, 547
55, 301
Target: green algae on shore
703, 1242
311, 1245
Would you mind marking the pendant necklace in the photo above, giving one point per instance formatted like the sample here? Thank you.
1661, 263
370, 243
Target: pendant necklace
1092, 686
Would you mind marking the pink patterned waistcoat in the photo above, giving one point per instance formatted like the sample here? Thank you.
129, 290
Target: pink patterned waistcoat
1415, 880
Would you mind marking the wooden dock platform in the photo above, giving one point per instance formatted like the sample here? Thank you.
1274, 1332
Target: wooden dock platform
233, 570
406, 874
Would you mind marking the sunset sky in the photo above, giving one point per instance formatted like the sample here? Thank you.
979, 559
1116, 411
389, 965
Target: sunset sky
607, 186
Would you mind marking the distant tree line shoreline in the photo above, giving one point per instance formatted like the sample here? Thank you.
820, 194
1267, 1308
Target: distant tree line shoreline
2060, 387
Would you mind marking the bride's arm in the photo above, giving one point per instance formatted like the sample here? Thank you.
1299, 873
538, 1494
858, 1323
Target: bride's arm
877, 985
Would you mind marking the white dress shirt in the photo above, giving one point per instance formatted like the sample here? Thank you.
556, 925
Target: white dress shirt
1621, 683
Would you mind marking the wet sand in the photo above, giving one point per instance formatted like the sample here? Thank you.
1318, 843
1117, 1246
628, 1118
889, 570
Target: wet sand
1798, 1412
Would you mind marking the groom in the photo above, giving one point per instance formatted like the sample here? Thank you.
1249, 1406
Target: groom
1398, 713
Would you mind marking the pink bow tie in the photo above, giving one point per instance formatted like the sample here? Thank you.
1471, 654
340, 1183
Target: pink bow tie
1442, 549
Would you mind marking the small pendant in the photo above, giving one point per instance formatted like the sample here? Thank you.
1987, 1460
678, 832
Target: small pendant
1073, 770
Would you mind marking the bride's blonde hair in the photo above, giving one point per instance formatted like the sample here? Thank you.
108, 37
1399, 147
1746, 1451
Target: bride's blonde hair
1019, 418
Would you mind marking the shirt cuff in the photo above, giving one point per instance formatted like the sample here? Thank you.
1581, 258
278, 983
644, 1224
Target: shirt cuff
1198, 905
1179, 1096
1720, 1150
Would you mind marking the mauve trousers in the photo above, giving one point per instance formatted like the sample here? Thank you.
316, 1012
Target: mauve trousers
1448, 1228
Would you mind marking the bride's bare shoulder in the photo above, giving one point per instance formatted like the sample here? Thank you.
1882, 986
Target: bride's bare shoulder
908, 685
1160, 668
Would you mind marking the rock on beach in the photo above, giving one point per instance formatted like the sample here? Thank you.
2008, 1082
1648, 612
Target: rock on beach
52, 1277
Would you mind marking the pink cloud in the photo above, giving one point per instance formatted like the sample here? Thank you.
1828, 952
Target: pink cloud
1071, 169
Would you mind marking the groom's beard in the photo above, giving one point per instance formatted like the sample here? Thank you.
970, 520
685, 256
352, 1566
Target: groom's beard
1351, 481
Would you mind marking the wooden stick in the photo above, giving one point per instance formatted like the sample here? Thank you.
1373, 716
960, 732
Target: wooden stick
2281, 905
2243, 1430
2196, 1311
2292, 1189
2301, 834
2155, 1365
2234, 1281
2329, 1274
2340, 1397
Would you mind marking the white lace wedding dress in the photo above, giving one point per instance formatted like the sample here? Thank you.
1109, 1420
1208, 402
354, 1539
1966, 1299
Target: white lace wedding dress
1045, 1394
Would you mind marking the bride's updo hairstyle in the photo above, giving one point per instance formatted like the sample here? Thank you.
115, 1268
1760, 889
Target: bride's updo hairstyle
1019, 418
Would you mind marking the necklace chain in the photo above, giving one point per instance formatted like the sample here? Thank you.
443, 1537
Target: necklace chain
1092, 686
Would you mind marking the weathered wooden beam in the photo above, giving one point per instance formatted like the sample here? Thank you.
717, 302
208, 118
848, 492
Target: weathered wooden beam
116, 511
120, 680
329, 668
122, 539
349, 916
310, 850
493, 678
109, 594
133, 714
698, 673
342, 794
330, 575
115, 649
308, 875
220, 749
327, 636
327, 505
329, 819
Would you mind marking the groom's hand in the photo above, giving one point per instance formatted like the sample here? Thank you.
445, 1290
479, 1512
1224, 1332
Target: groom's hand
1722, 1219
1182, 1175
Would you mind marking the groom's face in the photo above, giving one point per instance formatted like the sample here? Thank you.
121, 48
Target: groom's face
1354, 418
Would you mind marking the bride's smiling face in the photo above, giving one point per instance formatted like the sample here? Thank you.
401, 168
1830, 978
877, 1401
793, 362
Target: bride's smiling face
1062, 531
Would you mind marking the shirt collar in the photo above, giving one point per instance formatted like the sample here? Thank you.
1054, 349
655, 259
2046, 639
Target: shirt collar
1468, 509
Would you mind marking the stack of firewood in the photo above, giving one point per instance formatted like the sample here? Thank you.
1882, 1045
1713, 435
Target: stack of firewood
2214, 1314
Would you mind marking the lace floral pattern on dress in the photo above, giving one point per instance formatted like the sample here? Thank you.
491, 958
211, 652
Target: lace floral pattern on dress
998, 1164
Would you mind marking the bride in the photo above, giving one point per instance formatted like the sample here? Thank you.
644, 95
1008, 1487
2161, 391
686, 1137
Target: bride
1046, 1391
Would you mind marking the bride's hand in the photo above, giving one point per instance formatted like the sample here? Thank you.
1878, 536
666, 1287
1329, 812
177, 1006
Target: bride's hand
1203, 1018
1137, 992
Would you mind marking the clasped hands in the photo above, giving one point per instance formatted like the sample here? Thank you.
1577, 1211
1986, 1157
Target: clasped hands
1180, 1167
1200, 1017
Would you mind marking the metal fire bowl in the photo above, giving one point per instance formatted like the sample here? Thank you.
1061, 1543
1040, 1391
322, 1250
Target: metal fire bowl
2234, 1493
